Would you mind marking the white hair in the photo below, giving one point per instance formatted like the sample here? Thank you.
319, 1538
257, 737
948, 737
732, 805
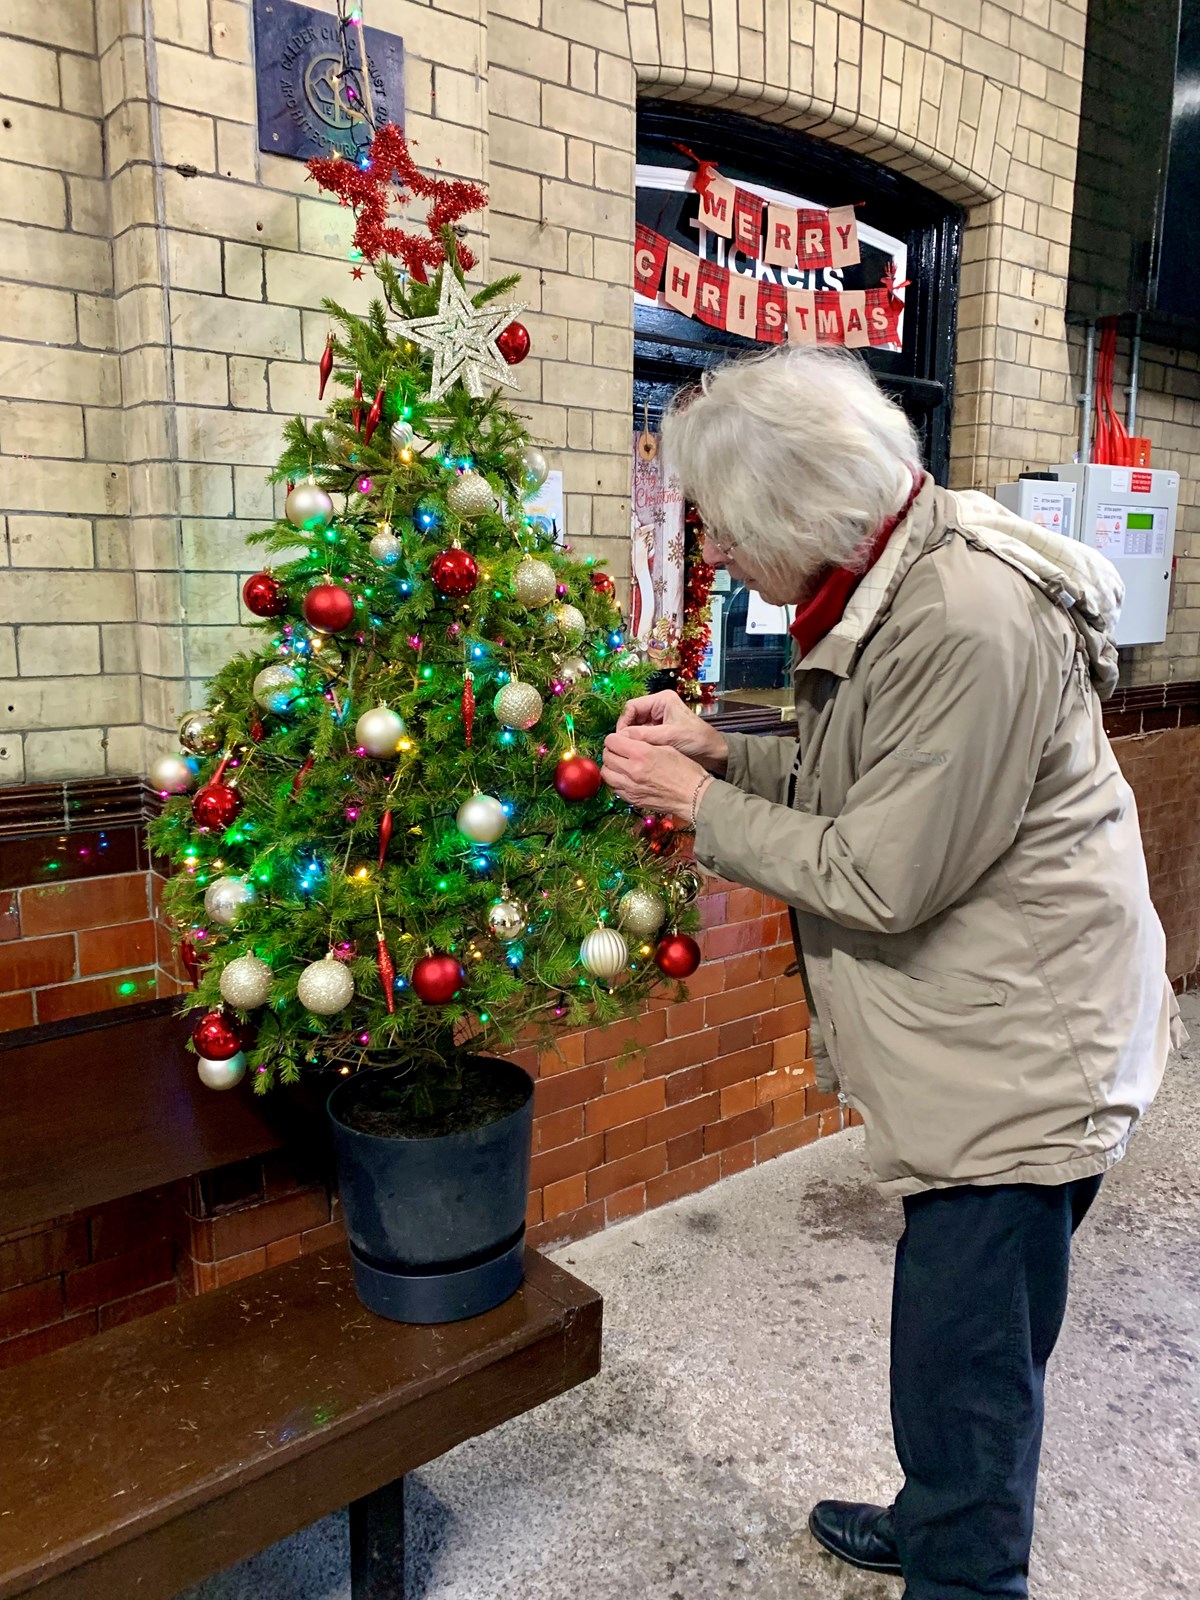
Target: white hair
795, 456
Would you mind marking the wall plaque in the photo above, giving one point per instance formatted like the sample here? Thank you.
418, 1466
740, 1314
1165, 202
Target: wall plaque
307, 105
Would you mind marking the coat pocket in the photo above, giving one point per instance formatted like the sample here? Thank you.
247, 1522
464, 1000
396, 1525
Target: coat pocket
941, 986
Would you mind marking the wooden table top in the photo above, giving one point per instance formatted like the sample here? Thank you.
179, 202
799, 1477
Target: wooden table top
138, 1462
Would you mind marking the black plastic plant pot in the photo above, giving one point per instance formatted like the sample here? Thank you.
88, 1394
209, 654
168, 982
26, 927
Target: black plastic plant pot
436, 1223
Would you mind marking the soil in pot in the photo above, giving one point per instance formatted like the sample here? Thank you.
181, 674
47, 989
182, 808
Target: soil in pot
398, 1104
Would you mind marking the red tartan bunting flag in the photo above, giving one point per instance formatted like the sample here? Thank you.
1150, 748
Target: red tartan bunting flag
813, 239
712, 296
761, 309
649, 257
747, 221
843, 237
716, 206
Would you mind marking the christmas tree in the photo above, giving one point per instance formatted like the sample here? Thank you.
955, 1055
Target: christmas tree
389, 827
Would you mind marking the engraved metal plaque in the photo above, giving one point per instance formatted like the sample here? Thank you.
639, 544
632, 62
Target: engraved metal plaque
307, 105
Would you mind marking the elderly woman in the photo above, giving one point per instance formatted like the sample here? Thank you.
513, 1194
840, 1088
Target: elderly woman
961, 854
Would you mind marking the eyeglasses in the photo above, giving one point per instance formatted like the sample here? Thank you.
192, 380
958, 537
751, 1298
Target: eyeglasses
725, 545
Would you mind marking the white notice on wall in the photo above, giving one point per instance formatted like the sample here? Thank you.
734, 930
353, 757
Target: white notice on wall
1122, 533
710, 667
545, 508
762, 618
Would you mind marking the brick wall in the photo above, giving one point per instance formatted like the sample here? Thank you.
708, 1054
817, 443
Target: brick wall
626, 1118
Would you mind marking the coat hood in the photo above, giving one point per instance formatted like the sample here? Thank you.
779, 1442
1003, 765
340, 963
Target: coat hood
1074, 576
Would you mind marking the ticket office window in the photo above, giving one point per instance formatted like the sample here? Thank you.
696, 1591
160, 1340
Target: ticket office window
898, 222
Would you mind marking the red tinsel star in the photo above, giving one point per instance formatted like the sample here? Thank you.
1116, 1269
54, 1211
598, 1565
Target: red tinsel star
356, 272
368, 190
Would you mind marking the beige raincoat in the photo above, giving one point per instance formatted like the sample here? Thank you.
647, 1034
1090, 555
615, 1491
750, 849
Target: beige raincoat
963, 858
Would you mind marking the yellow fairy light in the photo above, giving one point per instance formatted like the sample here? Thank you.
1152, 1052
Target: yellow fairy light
345, 1071
406, 455
579, 883
647, 950
362, 873
405, 744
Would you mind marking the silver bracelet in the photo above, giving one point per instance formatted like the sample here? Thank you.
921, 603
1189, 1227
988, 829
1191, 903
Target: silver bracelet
706, 779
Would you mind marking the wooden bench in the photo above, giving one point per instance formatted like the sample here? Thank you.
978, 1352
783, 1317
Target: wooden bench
157, 1454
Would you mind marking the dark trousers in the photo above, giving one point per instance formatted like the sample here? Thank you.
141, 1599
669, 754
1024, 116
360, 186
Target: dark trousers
980, 1294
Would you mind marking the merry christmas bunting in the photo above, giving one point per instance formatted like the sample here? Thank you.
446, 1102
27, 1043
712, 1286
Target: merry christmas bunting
796, 238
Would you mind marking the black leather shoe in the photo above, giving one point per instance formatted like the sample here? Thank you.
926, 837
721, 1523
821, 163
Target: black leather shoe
861, 1535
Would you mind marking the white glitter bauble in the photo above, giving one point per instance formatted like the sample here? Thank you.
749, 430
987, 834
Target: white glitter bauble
308, 506
171, 775
534, 583
276, 687
225, 897
221, 1074
573, 670
197, 732
325, 987
470, 495
642, 912
402, 434
507, 920
571, 620
385, 548
533, 465
604, 953
518, 705
379, 731
246, 983
482, 818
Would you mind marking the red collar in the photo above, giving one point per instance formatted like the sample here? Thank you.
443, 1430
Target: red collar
828, 604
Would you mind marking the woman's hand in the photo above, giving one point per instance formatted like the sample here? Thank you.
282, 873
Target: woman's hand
663, 719
651, 777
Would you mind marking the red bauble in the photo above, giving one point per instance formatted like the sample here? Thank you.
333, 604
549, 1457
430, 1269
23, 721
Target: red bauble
603, 584
658, 833
438, 979
677, 956
513, 343
454, 572
216, 805
217, 1036
264, 595
577, 778
329, 607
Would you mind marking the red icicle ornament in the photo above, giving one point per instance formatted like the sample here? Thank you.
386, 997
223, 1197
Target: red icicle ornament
468, 706
387, 971
190, 957
299, 780
257, 731
356, 414
325, 367
374, 415
385, 836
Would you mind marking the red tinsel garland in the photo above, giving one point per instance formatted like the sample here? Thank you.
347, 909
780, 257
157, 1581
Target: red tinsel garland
368, 190
697, 615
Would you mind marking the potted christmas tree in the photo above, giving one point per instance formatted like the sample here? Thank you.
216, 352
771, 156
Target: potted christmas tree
394, 852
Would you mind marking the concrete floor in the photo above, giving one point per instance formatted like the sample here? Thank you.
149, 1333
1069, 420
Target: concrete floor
745, 1376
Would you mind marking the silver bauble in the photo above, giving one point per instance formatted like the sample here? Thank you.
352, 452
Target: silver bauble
385, 548
642, 912
276, 687
572, 671
402, 434
571, 621
507, 919
308, 506
684, 887
325, 986
171, 775
482, 818
518, 705
534, 468
379, 731
604, 953
534, 583
225, 897
221, 1074
198, 732
246, 983
470, 495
